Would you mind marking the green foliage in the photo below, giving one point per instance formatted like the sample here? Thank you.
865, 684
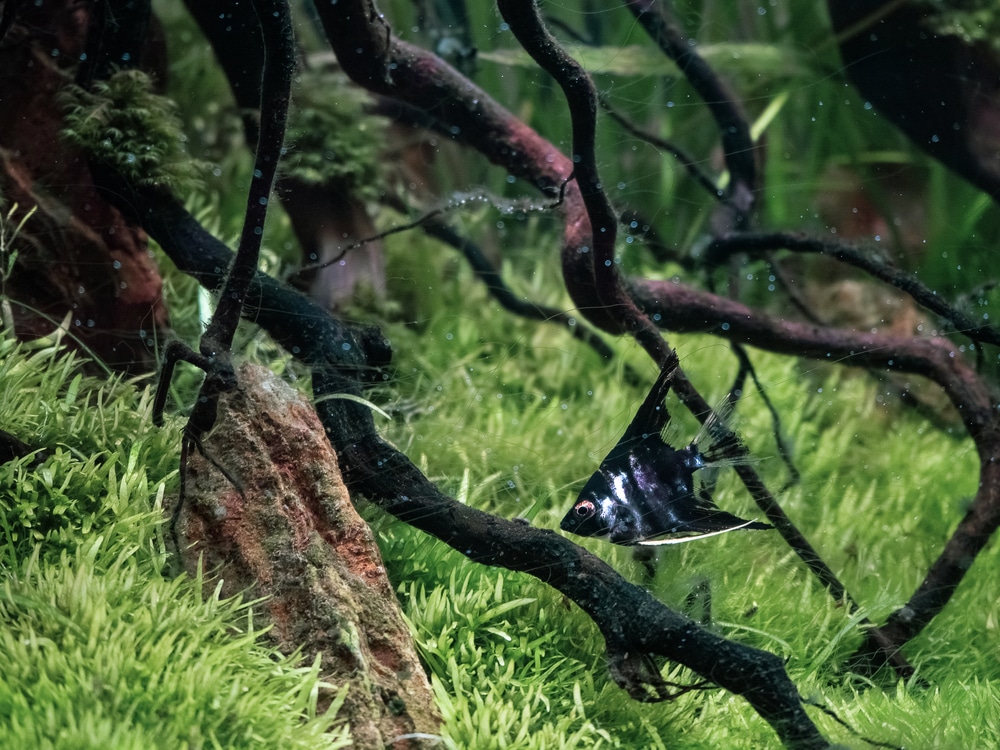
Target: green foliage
330, 140
100, 651
123, 125
10, 227
106, 464
975, 21
512, 417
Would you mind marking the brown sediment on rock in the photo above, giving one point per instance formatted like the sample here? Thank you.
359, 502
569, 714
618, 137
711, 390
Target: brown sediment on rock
290, 534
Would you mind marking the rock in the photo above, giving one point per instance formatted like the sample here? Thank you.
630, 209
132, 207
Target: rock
289, 533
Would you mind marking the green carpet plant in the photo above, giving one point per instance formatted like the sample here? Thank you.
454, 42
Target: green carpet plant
512, 417
101, 647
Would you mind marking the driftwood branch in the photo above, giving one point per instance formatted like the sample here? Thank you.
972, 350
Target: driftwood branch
275, 23
342, 358
377, 60
686, 160
866, 259
525, 22
498, 289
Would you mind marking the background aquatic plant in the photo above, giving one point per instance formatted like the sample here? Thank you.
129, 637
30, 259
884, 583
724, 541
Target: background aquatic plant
330, 140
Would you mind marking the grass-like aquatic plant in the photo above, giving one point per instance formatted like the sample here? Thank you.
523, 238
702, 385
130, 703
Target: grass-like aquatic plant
512, 418
103, 653
100, 650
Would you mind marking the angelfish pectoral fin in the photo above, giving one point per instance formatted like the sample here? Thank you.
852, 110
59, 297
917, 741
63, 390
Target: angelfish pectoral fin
682, 540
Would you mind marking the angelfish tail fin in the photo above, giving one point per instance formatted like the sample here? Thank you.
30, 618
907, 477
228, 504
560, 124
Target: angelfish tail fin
724, 446
726, 449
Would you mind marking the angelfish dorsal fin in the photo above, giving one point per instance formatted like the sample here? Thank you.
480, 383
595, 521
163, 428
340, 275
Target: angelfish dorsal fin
652, 416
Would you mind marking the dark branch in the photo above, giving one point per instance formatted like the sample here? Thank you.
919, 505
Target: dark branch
686, 160
733, 127
871, 262
499, 290
526, 24
274, 19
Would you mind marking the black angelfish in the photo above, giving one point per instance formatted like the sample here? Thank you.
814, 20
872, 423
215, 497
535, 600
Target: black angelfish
645, 489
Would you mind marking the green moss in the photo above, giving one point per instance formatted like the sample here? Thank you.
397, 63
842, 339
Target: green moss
121, 124
330, 140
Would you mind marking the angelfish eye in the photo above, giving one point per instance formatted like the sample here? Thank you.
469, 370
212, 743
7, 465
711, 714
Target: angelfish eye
584, 509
